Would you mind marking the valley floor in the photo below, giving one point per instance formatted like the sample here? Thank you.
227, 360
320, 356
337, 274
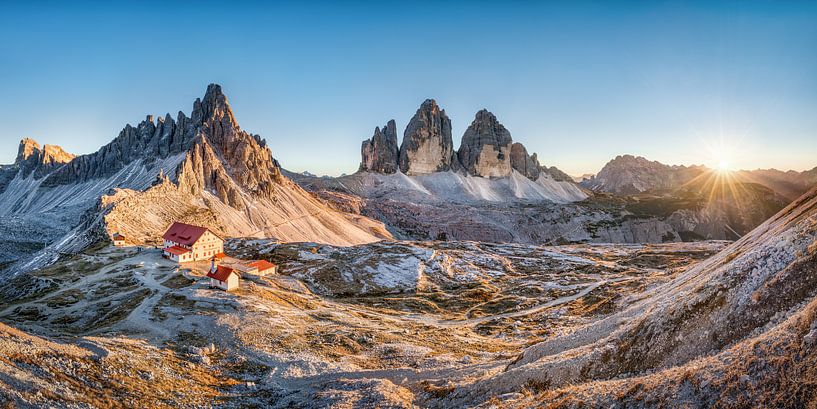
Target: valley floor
386, 324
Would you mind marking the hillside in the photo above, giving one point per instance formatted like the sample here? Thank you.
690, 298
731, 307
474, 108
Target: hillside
743, 317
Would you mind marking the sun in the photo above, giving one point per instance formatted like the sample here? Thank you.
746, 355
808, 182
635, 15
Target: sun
723, 165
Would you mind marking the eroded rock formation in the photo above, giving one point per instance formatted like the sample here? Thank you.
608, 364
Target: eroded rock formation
380, 153
523, 163
40, 160
427, 145
486, 147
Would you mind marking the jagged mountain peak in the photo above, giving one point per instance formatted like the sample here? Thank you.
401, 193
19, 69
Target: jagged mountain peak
28, 147
380, 152
214, 106
31, 157
427, 146
430, 104
485, 149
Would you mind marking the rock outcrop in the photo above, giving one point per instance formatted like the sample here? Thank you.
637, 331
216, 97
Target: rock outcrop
380, 153
40, 160
486, 147
427, 145
523, 163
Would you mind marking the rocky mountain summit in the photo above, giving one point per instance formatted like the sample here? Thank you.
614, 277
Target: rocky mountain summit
523, 163
380, 153
224, 159
33, 158
427, 145
486, 150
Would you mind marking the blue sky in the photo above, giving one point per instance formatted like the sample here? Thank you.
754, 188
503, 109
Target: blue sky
577, 82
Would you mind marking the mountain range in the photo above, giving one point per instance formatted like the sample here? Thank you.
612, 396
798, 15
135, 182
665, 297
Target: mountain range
492, 189
205, 169
628, 174
201, 169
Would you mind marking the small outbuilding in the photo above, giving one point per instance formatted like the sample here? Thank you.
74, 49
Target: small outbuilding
118, 239
263, 267
223, 277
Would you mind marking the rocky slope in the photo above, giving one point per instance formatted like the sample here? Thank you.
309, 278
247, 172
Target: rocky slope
755, 301
374, 325
429, 324
214, 167
457, 206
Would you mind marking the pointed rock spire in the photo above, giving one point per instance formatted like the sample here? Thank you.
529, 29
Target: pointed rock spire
215, 105
427, 146
485, 149
380, 153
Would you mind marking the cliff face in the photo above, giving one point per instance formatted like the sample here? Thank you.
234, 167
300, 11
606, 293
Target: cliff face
380, 153
427, 145
40, 160
523, 163
148, 141
486, 147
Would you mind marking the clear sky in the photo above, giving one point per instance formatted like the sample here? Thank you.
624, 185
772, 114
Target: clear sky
577, 82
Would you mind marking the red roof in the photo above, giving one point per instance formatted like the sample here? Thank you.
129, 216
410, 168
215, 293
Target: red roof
176, 250
117, 236
261, 265
221, 273
219, 256
182, 233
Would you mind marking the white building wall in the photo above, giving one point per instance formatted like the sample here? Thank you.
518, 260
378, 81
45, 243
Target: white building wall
207, 246
229, 285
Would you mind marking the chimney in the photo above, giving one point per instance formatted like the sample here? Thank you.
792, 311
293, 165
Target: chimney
213, 265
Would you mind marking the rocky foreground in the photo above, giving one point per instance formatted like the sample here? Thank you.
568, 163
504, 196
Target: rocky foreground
430, 324
378, 324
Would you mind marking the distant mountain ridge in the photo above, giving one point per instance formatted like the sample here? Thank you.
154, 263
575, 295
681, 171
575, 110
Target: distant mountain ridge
628, 174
